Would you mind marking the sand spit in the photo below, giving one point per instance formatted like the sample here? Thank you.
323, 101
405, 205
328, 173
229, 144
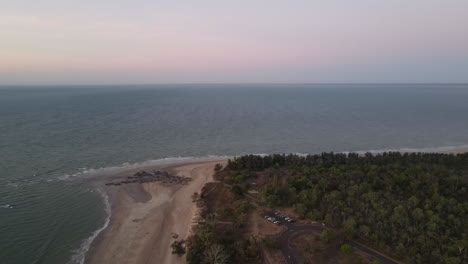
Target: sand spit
146, 214
152, 205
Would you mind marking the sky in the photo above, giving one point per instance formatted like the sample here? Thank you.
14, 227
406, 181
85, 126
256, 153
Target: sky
237, 41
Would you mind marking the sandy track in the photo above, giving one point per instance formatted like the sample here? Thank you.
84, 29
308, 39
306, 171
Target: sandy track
144, 217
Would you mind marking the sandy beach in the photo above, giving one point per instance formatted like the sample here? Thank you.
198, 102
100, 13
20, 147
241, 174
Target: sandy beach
145, 217
456, 151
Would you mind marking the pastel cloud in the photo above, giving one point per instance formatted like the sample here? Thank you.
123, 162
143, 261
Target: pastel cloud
182, 42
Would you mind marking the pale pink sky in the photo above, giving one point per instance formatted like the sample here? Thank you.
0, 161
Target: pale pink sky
123, 41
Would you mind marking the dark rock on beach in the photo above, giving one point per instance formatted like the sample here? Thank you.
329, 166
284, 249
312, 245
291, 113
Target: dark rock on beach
161, 176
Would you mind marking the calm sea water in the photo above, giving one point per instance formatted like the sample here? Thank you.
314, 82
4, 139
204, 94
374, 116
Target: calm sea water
56, 141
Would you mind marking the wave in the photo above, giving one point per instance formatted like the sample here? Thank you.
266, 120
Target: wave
14, 185
90, 172
103, 171
7, 206
79, 255
443, 149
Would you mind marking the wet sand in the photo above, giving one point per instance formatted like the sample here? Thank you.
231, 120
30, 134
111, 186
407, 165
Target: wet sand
145, 216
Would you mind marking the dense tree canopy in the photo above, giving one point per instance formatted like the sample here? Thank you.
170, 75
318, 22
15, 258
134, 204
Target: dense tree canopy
222, 236
412, 205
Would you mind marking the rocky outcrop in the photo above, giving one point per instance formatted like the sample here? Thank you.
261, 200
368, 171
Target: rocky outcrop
163, 177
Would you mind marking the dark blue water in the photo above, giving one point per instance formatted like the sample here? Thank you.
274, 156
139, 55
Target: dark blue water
54, 140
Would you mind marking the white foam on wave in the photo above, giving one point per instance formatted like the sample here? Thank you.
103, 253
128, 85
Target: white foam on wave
412, 150
443, 149
79, 255
90, 172
7, 206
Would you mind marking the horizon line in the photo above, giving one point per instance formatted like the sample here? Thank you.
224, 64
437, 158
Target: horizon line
245, 83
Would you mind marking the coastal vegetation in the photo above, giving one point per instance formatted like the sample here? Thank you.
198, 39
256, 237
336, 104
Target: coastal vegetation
220, 237
413, 206
178, 247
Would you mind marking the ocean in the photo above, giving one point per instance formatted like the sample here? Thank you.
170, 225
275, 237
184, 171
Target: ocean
56, 142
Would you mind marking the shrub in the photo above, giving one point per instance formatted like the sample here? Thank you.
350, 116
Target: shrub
178, 247
237, 190
346, 249
195, 196
218, 167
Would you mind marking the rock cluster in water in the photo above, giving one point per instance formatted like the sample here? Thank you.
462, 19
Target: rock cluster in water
164, 177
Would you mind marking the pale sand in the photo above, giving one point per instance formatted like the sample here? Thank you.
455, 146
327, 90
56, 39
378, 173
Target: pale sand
144, 217
456, 151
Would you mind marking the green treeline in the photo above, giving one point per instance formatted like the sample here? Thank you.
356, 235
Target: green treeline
412, 205
222, 237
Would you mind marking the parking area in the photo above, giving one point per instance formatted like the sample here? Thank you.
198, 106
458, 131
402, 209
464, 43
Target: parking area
278, 218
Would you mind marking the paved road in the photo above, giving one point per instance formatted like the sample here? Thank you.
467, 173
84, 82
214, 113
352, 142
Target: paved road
293, 230
293, 256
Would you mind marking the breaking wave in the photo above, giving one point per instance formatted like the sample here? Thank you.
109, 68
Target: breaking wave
79, 255
443, 149
90, 172
126, 166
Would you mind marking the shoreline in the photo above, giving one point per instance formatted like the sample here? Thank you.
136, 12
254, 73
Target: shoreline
456, 151
122, 199
443, 150
145, 216
115, 170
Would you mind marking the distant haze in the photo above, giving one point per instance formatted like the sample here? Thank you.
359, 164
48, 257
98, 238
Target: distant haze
240, 41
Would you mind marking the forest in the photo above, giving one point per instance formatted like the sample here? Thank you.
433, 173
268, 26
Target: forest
221, 237
413, 206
